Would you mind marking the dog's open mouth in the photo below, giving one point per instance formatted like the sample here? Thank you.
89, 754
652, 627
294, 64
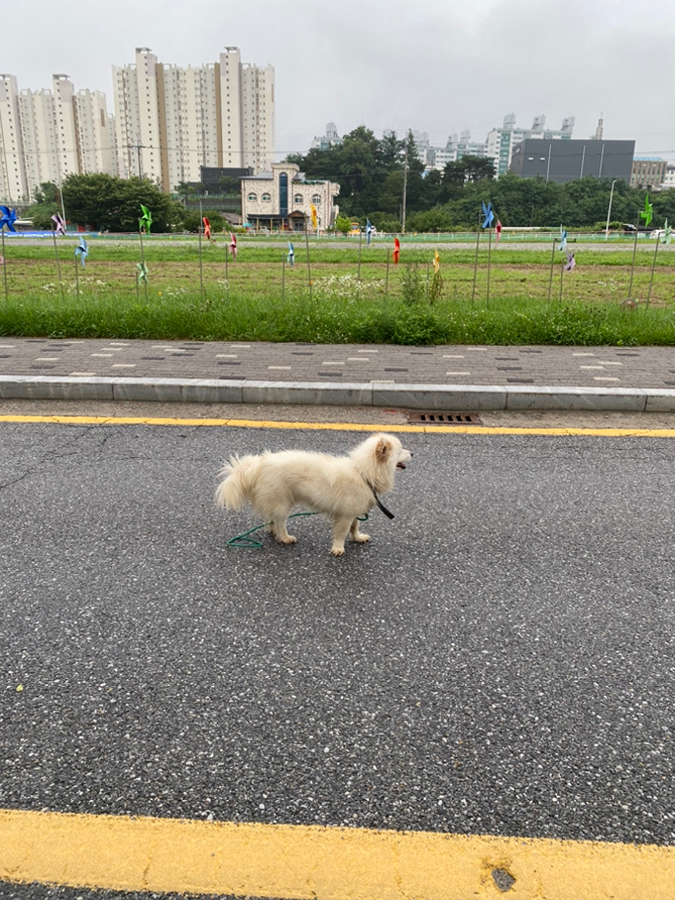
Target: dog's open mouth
400, 465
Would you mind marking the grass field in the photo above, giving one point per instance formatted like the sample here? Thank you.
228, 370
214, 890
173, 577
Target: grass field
261, 297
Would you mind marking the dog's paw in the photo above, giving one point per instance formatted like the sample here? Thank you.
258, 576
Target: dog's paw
289, 539
361, 538
337, 551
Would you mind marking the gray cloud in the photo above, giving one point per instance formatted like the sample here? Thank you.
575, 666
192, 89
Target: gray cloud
439, 66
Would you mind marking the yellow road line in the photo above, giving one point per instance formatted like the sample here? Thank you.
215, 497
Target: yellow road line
344, 426
289, 861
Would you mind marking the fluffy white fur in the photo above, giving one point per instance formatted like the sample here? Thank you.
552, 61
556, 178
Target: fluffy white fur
337, 486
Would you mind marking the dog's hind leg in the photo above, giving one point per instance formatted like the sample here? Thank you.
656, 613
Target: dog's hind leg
357, 535
341, 528
278, 529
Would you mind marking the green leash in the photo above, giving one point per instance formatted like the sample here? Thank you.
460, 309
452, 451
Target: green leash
247, 543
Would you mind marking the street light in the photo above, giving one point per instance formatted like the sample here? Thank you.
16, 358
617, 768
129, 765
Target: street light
609, 211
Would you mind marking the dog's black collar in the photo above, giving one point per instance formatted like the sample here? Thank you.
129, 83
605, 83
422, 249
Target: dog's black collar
381, 505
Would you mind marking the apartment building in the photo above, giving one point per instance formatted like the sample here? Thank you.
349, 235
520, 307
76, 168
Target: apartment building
498, 145
46, 135
171, 121
501, 141
648, 172
13, 184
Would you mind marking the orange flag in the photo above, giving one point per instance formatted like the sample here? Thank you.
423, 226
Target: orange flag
397, 251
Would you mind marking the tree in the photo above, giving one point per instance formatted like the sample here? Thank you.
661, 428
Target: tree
342, 224
108, 203
47, 202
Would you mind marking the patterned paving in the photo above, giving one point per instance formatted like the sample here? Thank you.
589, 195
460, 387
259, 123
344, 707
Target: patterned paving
640, 367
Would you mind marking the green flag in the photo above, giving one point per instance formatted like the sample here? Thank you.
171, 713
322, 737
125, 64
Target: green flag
647, 212
145, 221
142, 272
667, 235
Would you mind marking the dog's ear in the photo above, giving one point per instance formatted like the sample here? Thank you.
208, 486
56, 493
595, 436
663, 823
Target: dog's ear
382, 449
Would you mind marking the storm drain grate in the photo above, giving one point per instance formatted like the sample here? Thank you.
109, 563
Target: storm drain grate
443, 418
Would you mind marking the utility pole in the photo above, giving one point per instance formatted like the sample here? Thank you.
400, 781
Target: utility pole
138, 152
405, 189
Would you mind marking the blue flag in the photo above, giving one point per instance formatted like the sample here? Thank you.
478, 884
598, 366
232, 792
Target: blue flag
82, 251
7, 217
291, 254
369, 230
563, 238
489, 215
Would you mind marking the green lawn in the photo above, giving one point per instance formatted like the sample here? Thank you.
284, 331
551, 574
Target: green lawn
261, 297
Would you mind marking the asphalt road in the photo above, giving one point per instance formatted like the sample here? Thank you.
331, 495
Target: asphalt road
498, 660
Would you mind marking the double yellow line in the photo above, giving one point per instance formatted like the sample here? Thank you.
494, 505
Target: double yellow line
310, 862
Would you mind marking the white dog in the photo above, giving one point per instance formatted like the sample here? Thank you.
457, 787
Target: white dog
341, 487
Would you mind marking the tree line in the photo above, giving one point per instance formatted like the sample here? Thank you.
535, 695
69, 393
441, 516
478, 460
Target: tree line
108, 203
371, 173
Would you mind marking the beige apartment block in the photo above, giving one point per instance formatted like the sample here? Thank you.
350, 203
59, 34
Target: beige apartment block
172, 120
13, 184
648, 172
48, 135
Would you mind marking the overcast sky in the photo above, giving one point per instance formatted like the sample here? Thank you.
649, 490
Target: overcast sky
439, 66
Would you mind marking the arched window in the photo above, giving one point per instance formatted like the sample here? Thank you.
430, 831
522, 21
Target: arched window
266, 198
252, 198
316, 200
298, 199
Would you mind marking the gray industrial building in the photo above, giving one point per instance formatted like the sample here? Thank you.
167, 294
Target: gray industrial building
563, 161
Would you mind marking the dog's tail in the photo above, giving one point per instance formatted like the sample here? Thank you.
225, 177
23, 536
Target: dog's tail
234, 491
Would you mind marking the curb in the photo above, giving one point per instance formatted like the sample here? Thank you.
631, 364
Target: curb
457, 397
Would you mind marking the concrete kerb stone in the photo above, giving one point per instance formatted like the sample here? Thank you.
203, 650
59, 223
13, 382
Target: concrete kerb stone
520, 397
457, 397
407, 396
311, 393
45, 387
177, 390
660, 400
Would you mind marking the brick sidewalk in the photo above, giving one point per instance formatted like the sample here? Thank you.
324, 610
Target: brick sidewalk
594, 367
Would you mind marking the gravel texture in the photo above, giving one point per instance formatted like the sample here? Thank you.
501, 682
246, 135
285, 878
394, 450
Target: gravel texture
498, 660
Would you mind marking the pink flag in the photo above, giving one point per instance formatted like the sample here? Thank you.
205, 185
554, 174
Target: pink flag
233, 245
498, 231
207, 228
59, 224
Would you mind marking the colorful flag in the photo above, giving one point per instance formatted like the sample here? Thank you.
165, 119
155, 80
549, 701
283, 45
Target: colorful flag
369, 231
291, 254
142, 272
647, 212
667, 235
498, 231
437, 262
145, 221
314, 215
397, 251
233, 245
207, 228
570, 264
563, 238
59, 224
489, 215
82, 251
7, 217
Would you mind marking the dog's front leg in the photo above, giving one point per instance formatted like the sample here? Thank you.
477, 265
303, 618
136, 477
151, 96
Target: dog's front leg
357, 535
341, 528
